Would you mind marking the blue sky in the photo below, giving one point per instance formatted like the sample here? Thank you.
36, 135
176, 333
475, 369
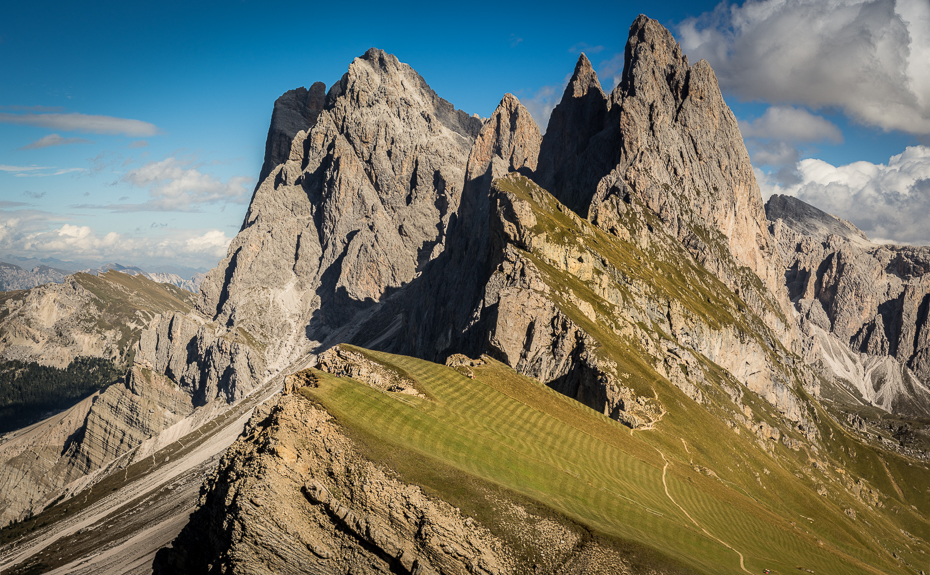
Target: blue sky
134, 131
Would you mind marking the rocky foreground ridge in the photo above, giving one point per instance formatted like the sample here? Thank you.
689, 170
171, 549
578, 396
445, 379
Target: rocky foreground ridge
623, 260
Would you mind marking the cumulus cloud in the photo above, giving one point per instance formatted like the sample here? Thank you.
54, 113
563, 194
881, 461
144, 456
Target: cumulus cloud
867, 57
84, 123
178, 185
889, 202
773, 138
792, 125
54, 140
33, 233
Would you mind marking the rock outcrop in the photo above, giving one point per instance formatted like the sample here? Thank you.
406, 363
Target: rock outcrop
295, 495
874, 299
295, 111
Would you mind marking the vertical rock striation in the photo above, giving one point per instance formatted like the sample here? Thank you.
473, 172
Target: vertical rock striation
295, 111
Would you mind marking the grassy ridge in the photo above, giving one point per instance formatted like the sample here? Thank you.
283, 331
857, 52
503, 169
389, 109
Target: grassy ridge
510, 431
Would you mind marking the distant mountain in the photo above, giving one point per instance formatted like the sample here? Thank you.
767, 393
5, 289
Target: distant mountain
13, 277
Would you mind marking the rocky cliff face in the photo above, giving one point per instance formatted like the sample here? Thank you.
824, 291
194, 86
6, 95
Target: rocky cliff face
60, 456
295, 111
440, 312
874, 299
363, 202
666, 136
565, 299
95, 316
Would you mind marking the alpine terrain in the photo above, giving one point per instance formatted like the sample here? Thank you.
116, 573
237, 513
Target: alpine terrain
445, 344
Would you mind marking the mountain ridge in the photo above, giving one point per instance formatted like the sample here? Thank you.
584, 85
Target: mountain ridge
645, 290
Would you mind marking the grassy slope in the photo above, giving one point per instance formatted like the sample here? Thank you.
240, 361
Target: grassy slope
783, 509
511, 431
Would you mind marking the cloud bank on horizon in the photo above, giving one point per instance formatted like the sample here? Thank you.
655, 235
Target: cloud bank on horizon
867, 59
27, 233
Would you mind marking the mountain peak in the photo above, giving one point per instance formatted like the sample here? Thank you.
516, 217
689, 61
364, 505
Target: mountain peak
584, 79
810, 221
651, 46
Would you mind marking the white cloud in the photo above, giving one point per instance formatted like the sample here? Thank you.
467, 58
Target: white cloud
32, 233
19, 169
177, 185
791, 125
888, 202
54, 140
867, 57
37, 171
84, 123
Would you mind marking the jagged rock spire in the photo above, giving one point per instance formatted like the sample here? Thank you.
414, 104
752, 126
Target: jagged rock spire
667, 137
574, 121
294, 111
508, 142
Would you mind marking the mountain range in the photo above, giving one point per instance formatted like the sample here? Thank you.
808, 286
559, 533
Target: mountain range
14, 277
447, 344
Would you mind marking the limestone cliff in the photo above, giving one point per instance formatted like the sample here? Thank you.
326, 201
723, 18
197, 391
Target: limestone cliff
439, 313
63, 454
666, 136
872, 298
363, 201
295, 111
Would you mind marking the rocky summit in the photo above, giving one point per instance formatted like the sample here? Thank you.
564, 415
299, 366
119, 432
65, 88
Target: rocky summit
448, 344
